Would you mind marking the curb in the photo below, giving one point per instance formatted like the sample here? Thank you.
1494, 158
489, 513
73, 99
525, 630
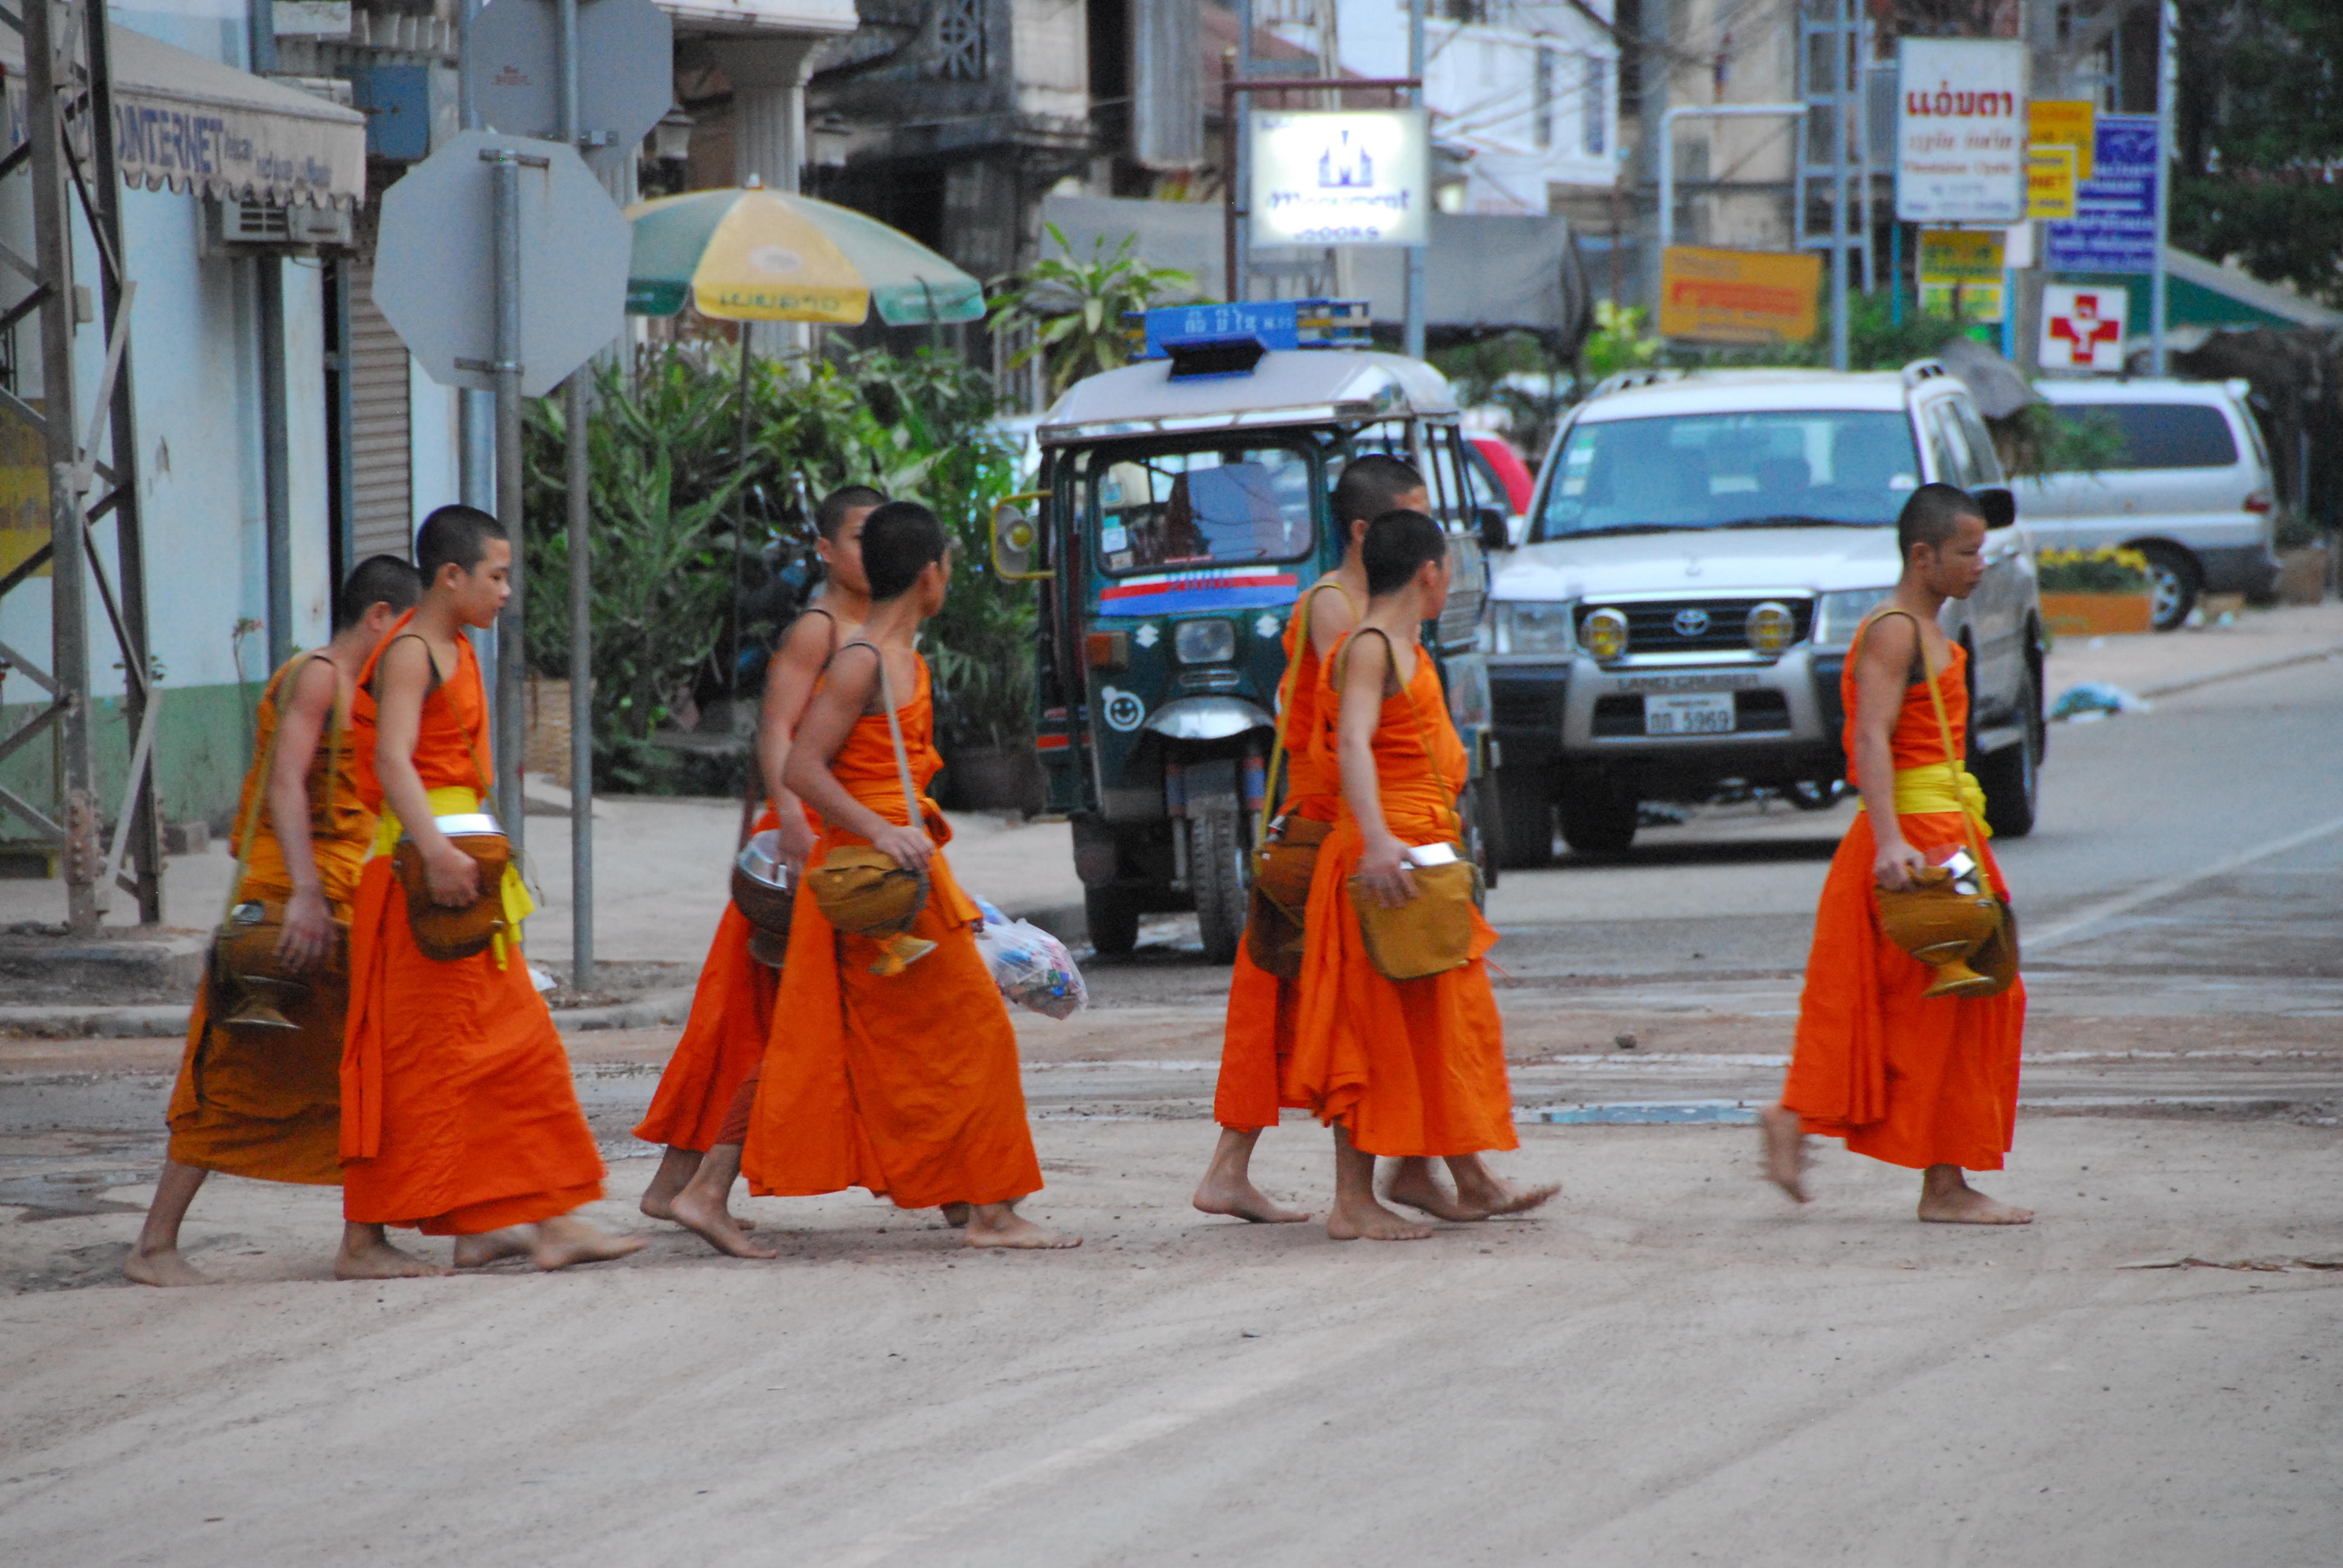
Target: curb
2239, 672
151, 1020
647, 1012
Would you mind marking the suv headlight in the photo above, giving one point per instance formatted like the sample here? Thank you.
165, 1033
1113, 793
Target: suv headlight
1607, 633
1204, 642
1771, 626
1535, 626
1838, 614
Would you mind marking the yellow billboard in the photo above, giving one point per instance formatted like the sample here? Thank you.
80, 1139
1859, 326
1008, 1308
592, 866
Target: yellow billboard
24, 494
1738, 296
2050, 182
2064, 123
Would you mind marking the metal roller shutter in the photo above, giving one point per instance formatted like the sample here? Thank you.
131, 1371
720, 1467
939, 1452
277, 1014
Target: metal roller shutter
383, 498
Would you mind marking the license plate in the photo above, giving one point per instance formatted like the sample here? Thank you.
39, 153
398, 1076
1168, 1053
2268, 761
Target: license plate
1696, 713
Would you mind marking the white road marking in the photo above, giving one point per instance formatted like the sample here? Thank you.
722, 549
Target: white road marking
2140, 898
1272, 1368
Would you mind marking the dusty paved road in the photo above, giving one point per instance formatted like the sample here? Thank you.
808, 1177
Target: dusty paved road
1670, 1367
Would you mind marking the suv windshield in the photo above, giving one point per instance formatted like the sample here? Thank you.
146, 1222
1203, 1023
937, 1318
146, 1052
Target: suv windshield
1714, 470
1228, 505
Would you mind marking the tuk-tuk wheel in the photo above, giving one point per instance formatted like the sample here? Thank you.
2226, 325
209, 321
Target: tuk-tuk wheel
1216, 871
1112, 916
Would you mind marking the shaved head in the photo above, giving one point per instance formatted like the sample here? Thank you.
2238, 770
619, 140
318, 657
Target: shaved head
1932, 516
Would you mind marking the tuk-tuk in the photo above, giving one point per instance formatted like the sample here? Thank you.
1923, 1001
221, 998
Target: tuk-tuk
1184, 504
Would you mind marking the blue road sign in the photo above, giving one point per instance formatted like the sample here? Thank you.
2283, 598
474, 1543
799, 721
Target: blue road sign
2114, 226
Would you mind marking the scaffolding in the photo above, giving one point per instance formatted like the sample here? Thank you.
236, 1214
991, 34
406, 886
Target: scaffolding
68, 155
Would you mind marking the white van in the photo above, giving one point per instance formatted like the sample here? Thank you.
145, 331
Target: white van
2191, 490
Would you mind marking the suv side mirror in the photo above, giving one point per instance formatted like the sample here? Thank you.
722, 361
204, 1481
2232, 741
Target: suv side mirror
1489, 522
1017, 551
2000, 507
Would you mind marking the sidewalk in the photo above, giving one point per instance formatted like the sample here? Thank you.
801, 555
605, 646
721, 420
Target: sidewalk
2159, 664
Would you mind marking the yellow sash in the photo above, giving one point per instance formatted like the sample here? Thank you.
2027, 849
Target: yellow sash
460, 800
1939, 788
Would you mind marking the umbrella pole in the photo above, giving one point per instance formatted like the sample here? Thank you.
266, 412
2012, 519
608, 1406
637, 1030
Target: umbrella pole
754, 790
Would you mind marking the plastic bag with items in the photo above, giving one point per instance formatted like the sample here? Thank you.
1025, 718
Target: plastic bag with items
1032, 967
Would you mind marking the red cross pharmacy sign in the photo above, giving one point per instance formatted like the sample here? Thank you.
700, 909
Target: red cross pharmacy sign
2083, 326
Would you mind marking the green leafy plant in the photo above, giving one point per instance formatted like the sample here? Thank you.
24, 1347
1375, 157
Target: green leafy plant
1075, 307
2102, 570
2039, 439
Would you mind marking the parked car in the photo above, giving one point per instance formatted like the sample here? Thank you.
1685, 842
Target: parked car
2191, 488
1501, 469
1701, 550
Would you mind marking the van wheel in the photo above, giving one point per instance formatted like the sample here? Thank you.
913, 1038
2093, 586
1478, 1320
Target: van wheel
1524, 797
2012, 777
1598, 817
1112, 916
1216, 871
2174, 583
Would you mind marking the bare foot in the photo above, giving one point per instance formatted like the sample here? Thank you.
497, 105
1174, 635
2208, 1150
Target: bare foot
164, 1266
1415, 1185
1480, 1190
676, 1170
705, 1216
565, 1240
512, 1241
1219, 1193
1947, 1199
1785, 1150
1000, 1225
1364, 1220
955, 1214
367, 1254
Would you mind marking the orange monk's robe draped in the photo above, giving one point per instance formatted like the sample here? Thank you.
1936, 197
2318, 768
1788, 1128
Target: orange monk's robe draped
1910, 1081
458, 1115
267, 1102
1258, 1038
903, 1084
723, 1039
1409, 1067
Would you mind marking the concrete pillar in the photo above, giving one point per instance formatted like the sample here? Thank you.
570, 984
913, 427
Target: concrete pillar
769, 137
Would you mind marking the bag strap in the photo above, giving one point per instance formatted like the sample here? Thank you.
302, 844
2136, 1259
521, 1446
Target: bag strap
1286, 690
1952, 768
249, 825
895, 732
1422, 733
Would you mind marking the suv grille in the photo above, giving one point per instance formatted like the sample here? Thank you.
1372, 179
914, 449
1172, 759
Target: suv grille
1696, 625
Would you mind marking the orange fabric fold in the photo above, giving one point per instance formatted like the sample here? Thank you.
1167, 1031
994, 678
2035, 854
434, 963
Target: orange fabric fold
906, 1085
723, 1039
266, 1103
458, 1115
1904, 1080
1408, 1066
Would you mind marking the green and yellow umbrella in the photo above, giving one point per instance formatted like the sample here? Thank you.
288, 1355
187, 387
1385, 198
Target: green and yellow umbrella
756, 255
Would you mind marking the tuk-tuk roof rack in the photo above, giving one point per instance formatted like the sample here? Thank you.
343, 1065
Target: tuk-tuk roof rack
1150, 398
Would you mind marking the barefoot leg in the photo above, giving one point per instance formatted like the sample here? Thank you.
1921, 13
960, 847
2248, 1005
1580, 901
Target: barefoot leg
367, 1254
1785, 1150
155, 1258
1947, 1199
487, 1246
955, 1214
1413, 1184
1000, 1225
701, 1207
1356, 1215
676, 1169
565, 1240
1227, 1187
1481, 1191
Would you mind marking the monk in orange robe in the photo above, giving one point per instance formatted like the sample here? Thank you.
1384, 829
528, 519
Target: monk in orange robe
1415, 1068
702, 1108
458, 1115
1930, 1084
902, 1081
266, 1101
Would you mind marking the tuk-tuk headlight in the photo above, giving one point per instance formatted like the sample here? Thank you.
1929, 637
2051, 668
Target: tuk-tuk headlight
1535, 626
1771, 626
1604, 633
1204, 642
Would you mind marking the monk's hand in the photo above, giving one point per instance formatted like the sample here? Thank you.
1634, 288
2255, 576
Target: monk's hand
309, 930
454, 876
797, 842
908, 846
1895, 865
1385, 870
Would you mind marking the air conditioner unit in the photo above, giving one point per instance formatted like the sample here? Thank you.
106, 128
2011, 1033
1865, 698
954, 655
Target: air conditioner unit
297, 227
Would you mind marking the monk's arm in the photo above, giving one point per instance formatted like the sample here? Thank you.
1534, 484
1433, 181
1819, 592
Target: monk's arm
1881, 669
828, 720
788, 686
402, 680
300, 722
1382, 865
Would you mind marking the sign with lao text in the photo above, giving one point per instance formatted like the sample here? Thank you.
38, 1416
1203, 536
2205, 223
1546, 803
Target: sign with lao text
1738, 296
2065, 123
2083, 326
2050, 182
1349, 177
2114, 226
1961, 272
1960, 131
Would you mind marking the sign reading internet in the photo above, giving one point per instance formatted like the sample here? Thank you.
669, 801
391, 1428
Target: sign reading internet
1349, 177
1713, 296
1960, 131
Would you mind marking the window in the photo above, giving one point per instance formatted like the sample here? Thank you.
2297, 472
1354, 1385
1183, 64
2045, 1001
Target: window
1542, 117
1594, 103
1985, 460
1185, 511
1719, 470
2161, 434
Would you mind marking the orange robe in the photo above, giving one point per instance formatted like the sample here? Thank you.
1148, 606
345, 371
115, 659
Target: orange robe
1257, 1039
1910, 1081
458, 1115
906, 1084
1408, 1066
266, 1103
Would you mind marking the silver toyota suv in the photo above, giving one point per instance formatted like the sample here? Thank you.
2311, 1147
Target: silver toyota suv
1701, 549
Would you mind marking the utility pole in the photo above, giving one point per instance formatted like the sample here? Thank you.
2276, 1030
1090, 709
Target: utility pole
576, 396
1841, 109
1417, 305
2168, 70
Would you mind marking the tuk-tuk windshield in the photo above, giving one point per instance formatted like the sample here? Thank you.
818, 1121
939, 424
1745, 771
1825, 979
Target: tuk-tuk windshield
1227, 505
